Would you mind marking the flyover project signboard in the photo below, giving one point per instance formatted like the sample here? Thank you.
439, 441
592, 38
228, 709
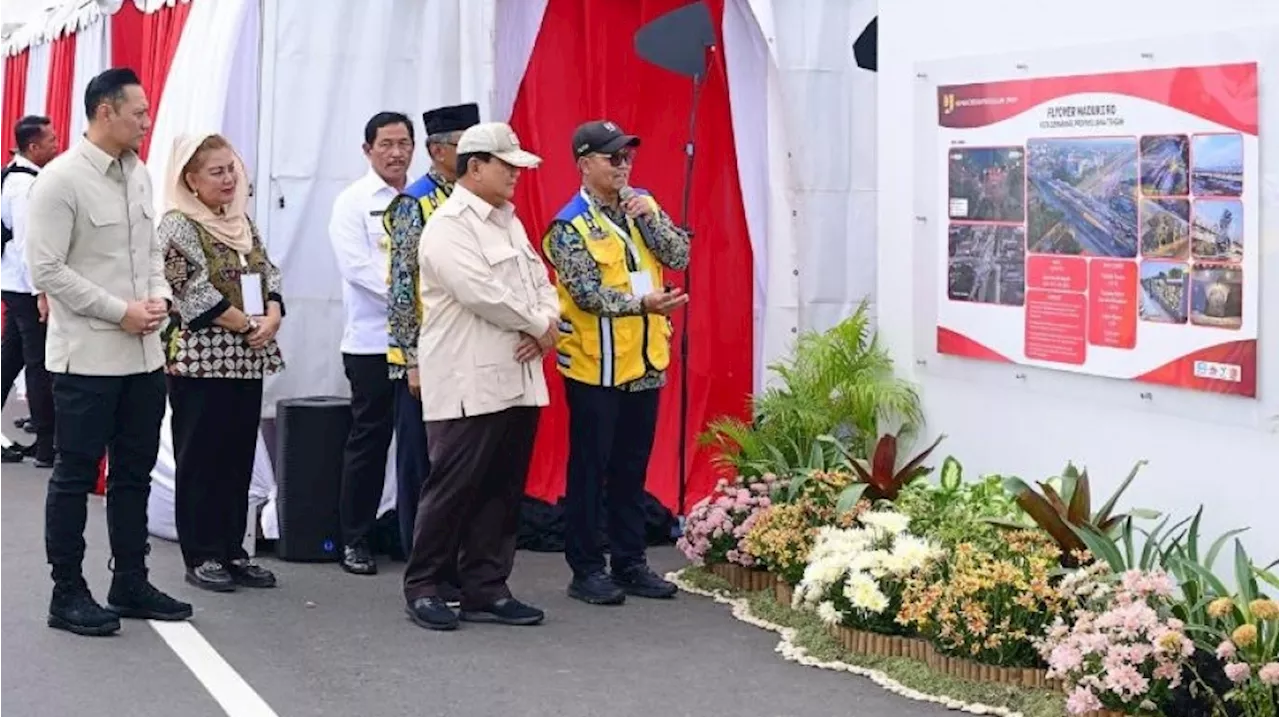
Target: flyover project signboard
1104, 224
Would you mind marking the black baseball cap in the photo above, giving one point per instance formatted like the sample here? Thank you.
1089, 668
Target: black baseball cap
601, 136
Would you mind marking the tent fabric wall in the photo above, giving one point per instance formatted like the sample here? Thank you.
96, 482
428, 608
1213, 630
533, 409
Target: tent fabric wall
37, 81
15, 97
310, 149
93, 55
810, 196
765, 175
199, 82
59, 104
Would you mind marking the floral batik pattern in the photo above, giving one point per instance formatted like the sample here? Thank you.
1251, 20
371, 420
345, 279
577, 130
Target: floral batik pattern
204, 275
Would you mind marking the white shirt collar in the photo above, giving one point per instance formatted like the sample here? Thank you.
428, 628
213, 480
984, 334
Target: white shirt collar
377, 184
21, 161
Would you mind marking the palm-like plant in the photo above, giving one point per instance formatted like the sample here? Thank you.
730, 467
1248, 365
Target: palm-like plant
1064, 508
838, 383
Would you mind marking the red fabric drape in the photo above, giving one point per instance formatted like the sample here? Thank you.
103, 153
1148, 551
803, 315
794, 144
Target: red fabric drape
147, 43
62, 69
584, 67
15, 96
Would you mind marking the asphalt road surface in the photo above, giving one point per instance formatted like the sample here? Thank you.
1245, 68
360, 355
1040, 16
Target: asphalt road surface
325, 644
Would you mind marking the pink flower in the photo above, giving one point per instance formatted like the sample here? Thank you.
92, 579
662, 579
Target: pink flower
1226, 650
1270, 674
1126, 682
1082, 701
1237, 672
1065, 658
731, 556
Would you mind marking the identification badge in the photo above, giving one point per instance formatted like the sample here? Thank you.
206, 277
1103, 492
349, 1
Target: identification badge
251, 293
641, 284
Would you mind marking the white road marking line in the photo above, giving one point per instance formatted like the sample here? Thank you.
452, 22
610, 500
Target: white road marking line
226, 685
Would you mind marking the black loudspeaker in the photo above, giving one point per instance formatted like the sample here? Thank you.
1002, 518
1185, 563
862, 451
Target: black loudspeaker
310, 436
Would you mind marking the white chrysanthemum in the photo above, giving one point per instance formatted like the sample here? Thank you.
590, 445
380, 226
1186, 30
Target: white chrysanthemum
862, 591
828, 613
886, 521
911, 553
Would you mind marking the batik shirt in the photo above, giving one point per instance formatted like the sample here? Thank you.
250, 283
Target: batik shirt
580, 273
404, 300
204, 275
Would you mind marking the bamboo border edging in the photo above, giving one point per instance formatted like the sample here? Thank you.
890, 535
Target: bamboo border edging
870, 643
783, 592
743, 578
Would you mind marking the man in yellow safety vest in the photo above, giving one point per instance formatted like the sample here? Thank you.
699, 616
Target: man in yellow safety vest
609, 245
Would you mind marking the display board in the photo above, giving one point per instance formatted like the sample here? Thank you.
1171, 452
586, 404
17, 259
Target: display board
1104, 224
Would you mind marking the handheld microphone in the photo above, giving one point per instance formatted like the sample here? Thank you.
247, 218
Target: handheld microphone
626, 194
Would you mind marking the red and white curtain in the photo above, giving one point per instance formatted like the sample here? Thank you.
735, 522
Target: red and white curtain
783, 201
49, 62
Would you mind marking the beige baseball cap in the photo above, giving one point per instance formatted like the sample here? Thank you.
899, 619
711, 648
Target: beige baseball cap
498, 139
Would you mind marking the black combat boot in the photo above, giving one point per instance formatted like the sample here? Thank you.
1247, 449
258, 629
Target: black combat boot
73, 609
132, 595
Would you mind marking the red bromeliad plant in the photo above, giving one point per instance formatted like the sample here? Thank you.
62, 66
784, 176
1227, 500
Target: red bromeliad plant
881, 479
1063, 509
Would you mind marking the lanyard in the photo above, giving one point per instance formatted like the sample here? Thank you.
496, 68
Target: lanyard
625, 236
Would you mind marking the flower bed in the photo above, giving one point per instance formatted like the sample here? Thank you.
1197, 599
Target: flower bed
993, 582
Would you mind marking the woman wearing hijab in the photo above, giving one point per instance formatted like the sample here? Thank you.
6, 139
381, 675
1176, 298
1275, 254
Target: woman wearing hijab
227, 295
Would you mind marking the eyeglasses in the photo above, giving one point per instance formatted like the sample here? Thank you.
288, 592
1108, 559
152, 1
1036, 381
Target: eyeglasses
621, 157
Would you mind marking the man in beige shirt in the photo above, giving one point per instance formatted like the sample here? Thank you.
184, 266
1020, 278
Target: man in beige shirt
93, 252
489, 314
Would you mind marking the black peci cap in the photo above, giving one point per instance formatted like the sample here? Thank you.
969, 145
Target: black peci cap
451, 119
601, 136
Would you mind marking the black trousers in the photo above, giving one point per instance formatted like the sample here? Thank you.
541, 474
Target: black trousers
22, 346
610, 438
412, 462
364, 462
215, 438
470, 506
118, 415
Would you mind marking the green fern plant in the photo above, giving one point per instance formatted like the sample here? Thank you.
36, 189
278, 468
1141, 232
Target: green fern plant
838, 383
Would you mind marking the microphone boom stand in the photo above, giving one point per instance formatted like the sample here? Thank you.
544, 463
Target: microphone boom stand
687, 227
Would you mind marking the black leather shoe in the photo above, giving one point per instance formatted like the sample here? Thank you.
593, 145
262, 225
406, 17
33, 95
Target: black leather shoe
596, 589
507, 611
432, 613
132, 595
643, 582
212, 576
73, 609
12, 454
250, 575
357, 560
44, 463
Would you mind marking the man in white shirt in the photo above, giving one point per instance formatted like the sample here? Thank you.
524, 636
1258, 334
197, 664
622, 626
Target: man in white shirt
361, 246
489, 314
22, 343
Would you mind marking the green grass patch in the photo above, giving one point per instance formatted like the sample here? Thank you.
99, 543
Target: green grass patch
813, 636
